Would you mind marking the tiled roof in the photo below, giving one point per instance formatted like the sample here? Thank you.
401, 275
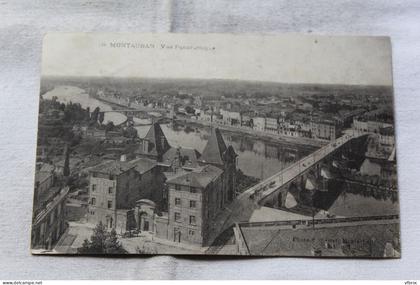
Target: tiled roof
189, 156
143, 165
113, 167
199, 178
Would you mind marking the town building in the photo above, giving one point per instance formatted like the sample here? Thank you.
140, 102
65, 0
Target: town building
387, 138
324, 129
95, 133
43, 182
194, 192
74, 164
115, 186
173, 193
49, 219
246, 119
258, 123
218, 154
194, 198
271, 125
180, 158
206, 115
231, 117
154, 145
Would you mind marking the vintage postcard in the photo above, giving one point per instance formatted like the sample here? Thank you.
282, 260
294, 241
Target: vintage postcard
216, 144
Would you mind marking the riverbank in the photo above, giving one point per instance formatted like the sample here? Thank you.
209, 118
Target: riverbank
250, 132
256, 134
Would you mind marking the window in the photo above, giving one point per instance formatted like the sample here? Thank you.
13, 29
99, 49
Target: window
191, 233
178, 201
192, 204
109, 204
93, 201
109, 190
177, 217
93, 187
177, 187
92, 213
193, 190
192, 220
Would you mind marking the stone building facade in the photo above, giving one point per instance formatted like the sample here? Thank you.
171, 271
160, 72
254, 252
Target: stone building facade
193, 198
114, 188
49, 222
196, 188
171, 193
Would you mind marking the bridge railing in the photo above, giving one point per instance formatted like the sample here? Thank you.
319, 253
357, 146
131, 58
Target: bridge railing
322, 152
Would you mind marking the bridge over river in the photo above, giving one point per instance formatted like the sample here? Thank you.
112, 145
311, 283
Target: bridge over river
246, 202
151, 114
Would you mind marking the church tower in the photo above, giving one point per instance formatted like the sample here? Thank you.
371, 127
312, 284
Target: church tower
154, 145
217, 153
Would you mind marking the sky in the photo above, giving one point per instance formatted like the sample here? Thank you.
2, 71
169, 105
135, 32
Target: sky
284, 58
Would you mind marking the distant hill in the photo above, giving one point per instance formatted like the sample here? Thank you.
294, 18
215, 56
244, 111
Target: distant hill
212, 87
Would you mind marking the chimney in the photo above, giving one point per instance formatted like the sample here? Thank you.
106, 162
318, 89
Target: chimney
123, 158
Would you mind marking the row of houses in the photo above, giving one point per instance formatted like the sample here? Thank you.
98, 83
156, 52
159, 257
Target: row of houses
303, 127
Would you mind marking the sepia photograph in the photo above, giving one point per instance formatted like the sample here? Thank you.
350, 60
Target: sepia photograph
216, 144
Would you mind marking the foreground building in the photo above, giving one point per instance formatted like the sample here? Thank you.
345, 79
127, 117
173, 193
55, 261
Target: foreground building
49, 220
171, 193
197, 188
114, 188
194, 199
375, 236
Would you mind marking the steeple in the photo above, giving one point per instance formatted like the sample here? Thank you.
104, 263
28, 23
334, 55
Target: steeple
155, 143
215, 148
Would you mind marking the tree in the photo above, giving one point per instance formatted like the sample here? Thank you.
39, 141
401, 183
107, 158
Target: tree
94, 115
109, 127
130, 132
66, 169
112, 245
189, 110
101, 117
101, 242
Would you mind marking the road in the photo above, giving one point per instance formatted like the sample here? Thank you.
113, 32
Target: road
243, 206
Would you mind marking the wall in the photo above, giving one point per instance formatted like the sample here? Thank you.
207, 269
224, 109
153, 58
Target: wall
98, 212
185, 211
47, 231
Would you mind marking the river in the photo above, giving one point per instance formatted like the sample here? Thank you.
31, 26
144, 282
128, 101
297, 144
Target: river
257, 157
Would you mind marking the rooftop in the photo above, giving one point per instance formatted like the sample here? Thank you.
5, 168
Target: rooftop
361, 239
200, 177
189, 157
214, 149
114, 167
143, 165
